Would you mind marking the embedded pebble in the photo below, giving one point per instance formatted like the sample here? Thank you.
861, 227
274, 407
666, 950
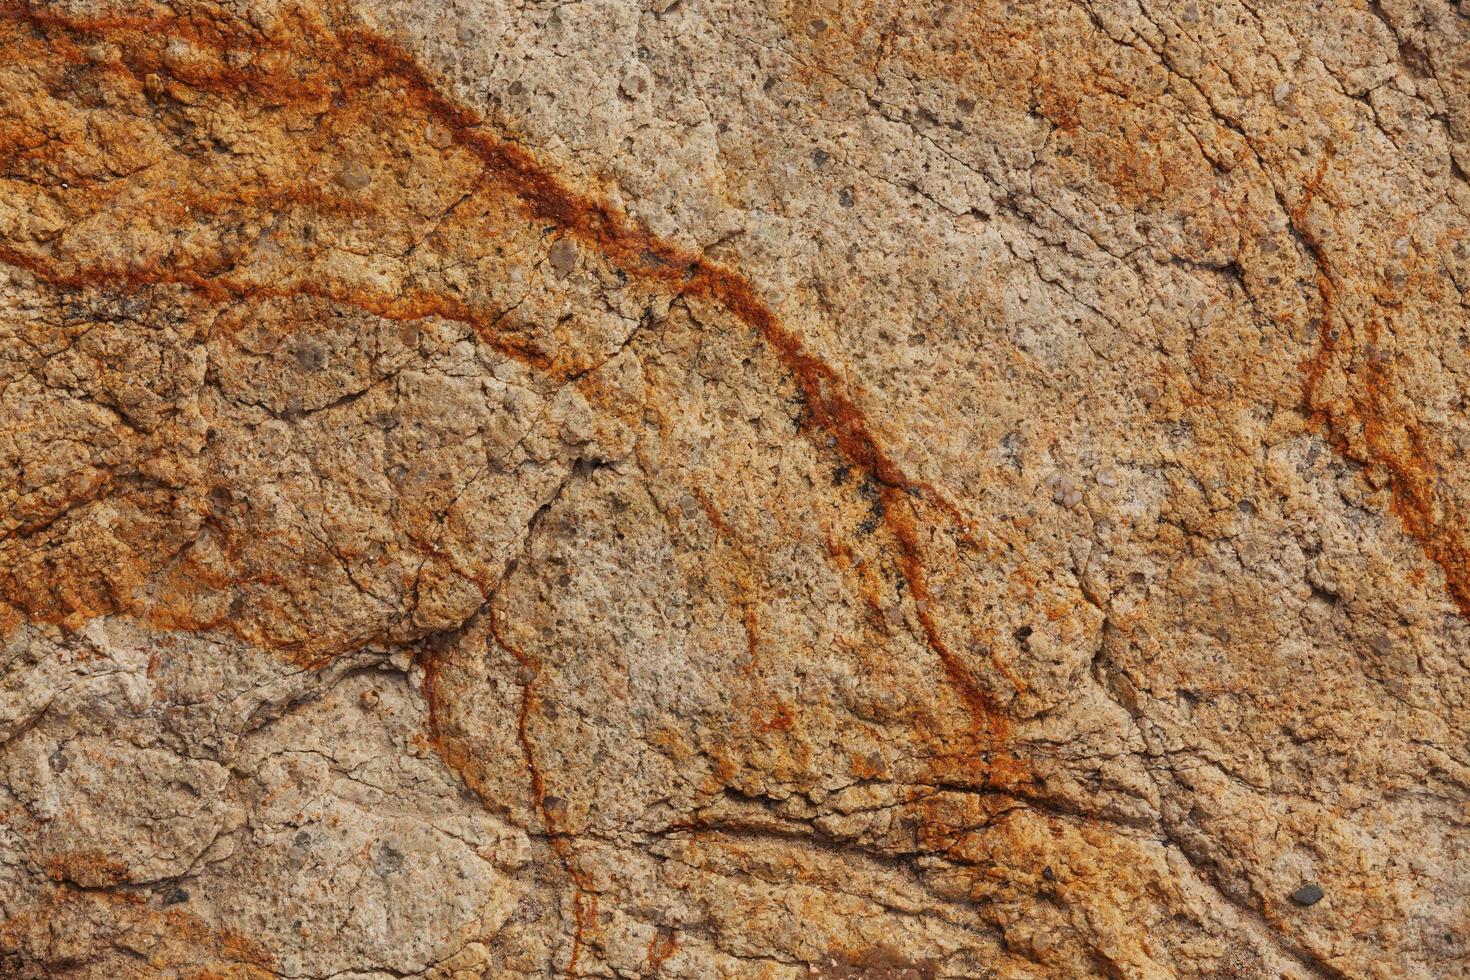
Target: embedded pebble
1309, 894
354, 175
563, 257
1066, 491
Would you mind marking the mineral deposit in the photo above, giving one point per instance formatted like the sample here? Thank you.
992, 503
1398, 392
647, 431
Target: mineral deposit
883, 489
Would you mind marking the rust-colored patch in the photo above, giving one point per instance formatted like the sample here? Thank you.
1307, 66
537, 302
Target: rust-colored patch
661, 946
187, 946
584, 900
1366, 427
329, 67
90, 869
11, 619
780, 719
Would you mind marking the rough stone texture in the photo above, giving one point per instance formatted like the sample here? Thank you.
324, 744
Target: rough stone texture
707, 488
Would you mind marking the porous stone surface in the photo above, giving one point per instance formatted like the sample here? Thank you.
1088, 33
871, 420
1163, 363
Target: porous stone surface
716, 488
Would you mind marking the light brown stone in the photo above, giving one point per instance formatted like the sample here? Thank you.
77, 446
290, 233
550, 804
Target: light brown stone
709, 489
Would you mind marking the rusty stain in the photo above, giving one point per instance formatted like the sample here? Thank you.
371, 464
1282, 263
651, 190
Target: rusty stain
238, 956
781, 719
661, 946
1409, 460
584, 900
87, 868
832, 407
543, 197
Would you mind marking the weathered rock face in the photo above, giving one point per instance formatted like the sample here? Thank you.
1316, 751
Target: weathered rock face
698, 489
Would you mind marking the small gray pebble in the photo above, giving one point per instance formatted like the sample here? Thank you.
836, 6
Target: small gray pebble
1309, 894
389, 861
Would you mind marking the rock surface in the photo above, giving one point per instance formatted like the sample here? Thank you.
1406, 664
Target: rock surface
705, 488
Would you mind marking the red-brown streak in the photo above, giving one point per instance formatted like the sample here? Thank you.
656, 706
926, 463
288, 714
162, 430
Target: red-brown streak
896, 512
406, 306
1411, 485
584, 906
596, 223
544, 197
663, 945
584, 903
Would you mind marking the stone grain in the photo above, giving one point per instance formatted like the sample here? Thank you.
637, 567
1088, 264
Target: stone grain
701, 488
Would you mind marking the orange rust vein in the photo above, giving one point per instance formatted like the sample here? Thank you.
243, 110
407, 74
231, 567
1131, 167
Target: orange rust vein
639, 253
584, 901
1326, 288
1411, 470
408, 305
428, 658
661, 946
544, 197
982, 714
358, 56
